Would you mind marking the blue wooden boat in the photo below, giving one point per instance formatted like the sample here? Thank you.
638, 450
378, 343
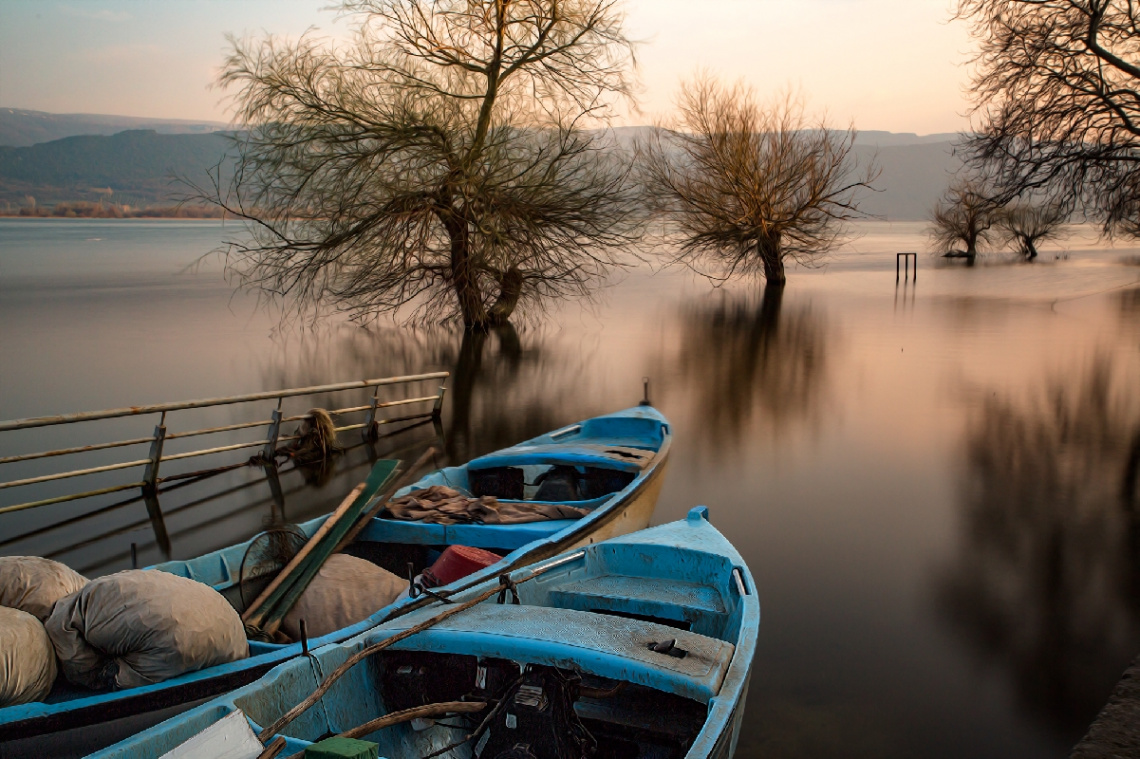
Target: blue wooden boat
625, 452
640, 646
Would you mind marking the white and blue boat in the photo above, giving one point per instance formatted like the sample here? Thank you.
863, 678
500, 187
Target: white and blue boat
621, 458
640, 646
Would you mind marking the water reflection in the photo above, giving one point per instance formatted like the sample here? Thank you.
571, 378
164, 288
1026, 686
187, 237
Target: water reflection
505, 386
1047, 580
1130, 305
751, 367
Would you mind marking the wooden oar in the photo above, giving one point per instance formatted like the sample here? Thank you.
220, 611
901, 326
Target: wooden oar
383, 500
273, 611
321, 545
342, 534
249, 616
506, 584
364, 653
275, 748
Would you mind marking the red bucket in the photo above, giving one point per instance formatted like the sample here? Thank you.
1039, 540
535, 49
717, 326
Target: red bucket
456, 562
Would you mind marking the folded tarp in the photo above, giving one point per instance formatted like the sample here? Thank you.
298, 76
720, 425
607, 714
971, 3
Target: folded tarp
139, 627
443, 505
27, 660
34, 584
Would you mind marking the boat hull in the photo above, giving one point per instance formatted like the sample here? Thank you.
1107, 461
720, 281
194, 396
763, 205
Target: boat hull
74, 729
591, 613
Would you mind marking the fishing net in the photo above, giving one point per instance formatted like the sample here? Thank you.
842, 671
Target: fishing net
266, 554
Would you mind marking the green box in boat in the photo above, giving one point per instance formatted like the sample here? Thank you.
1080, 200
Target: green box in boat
343, 748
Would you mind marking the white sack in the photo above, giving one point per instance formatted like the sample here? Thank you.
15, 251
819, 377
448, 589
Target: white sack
27, 659
345, 591
32, 584
143, 626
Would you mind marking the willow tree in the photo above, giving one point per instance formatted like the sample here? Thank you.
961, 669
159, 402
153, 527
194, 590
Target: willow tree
441, 160
966, 214
749, 185
1026, 226
1056, 92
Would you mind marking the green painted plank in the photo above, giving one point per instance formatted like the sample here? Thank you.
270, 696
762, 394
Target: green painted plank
287, 593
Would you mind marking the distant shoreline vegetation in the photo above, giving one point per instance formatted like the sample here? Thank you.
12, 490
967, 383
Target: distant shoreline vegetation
90, 210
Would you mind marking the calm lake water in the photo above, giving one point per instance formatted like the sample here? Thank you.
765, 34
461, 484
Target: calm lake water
934, 483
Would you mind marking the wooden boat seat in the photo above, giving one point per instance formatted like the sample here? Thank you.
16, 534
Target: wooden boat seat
617, 648
695, 607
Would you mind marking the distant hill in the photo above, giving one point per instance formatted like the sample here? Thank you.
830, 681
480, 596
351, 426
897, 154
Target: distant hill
139, 167
20, 128
894, 139
912, 178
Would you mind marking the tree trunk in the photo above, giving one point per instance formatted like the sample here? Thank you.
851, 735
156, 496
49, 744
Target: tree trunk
971, 241
769, 317
510, 288
465, 376
1030, 249
768, 248
463, 276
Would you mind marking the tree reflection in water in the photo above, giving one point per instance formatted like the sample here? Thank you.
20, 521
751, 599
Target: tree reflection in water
749, 367
1047, 580
504, 387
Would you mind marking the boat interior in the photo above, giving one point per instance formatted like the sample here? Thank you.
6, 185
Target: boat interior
584, 466
615, 651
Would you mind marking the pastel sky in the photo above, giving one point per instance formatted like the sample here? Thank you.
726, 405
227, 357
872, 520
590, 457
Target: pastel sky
898, 65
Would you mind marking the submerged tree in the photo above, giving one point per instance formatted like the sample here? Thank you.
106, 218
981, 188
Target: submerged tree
749, 186
438, 161
966, 215
1057, 93
1027, 226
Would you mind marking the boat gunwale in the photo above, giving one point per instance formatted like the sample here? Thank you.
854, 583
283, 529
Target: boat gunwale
718, 733
214, 681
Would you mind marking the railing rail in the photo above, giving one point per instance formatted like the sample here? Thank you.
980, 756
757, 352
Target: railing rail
44, 421
268, 441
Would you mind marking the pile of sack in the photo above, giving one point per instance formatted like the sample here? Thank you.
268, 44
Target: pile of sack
120, 631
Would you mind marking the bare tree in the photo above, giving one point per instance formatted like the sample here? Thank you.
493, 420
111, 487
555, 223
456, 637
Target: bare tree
749, 186
1027, 226
439, 161
966, 215
1057, 98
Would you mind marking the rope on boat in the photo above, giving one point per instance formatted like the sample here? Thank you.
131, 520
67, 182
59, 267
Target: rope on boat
367, 651
407, 715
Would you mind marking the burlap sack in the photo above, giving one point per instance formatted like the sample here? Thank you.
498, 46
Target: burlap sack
27, 659
143, 626
345, 591
32, 584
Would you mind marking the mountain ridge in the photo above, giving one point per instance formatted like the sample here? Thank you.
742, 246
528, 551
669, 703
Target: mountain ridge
21, 127
141, 167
